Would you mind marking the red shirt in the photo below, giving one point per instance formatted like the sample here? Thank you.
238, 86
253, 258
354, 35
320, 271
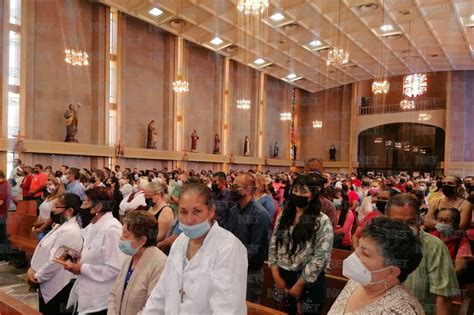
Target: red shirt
25, 185
37, 181
4, 196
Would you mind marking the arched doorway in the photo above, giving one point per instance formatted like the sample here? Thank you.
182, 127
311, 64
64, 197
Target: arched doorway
401, 147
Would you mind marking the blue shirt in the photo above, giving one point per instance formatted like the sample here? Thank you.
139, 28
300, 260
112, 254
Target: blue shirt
76, 187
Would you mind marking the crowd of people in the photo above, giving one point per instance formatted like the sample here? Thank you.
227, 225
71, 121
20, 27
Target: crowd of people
185, 242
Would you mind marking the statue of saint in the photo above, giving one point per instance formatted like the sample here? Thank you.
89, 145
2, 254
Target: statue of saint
293, 152
119, 150
246, 146
194, 140
332, 152
71, 123
217, 142
152, 138
276, 148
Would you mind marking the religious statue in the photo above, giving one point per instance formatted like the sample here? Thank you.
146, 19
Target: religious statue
152, 138
119, 150
71, 123
293, 152
332, 152
246, 146
276, 148
217, 142
194, 140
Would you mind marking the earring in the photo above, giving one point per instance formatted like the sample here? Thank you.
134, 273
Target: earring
386, 283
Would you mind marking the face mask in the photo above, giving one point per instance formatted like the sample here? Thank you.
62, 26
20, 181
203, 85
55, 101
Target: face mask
51, 189
149, 202
36, 172
195, 231
380, 205
337, 202
445, 228
64, 179
57, 218
374, 207
179, 182
215, 187
448, 191
92, 180
85, 216
300, 201
353, 268
415, 230
235, 195
373, 191
408, 188
126, 247
468, 186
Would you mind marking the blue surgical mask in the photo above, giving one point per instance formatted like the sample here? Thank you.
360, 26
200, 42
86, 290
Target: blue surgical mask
374, 206
445, 228
337, 202
126, 247
195, 231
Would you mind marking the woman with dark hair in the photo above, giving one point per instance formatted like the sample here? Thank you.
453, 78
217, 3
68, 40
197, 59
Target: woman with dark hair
345, 219
101, 259
206, 270
453, 198
387, 253
142, 267
113, 186
53, 281
300, 249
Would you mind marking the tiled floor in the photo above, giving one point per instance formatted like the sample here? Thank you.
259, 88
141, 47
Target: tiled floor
13, 282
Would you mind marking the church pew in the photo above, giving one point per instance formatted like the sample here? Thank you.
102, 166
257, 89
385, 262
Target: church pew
19, 232
256, 309
11, 306
334, 286
337, 257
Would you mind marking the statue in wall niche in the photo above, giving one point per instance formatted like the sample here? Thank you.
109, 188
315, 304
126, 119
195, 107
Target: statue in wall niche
276, 148
194, 140
293, 151
71, 122
217, 142
152, 138
119, 150
332, 152
246, 146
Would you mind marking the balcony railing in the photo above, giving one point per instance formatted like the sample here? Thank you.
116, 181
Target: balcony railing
422, 104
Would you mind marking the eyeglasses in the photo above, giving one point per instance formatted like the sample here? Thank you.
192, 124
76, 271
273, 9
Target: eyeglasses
57, 207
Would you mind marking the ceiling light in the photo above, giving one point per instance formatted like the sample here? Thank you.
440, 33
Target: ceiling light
386, 28
378, 140
471, 17
155, 12
253, 7
216, 41
368, 7
180, 85
424, 117
285, 116
317, 124
291, 76
414, 84
277, 17
380, 87
337, 57
243, 104
259, 61
407, 104
315, 43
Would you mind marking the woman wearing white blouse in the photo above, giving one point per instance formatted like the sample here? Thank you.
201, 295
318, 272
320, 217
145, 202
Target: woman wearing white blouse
206, 271
101, 260
54, 282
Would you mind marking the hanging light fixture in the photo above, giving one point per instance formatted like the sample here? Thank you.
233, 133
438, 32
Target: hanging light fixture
252, 7
414, 84
378, 140
180, 85
317, 124
407, 104
338, 56
424, 117
380, 87
243, 104
285, 116
76, 57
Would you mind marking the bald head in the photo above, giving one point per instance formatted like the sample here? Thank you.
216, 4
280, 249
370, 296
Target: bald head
247, 180
314, 165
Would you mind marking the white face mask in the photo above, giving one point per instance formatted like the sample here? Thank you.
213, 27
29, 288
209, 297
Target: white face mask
353, 268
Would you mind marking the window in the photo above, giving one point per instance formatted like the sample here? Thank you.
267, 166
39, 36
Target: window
15, 12
112, 126
113, 82
14, 54
13, 124
112, 117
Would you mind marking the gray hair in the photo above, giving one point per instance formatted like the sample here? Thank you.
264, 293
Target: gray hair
402, 200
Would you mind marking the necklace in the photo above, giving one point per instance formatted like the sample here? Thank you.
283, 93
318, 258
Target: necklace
186, 263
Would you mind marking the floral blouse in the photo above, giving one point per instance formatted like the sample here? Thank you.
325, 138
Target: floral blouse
312, 259
397, 300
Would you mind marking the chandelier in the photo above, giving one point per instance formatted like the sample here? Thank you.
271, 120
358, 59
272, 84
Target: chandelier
285, 116
254, 7
243, 104
337, 57
379, 87
378, 140
317, 124
398, 145
76, 57
407, 104
180, 85
414, 84
424, 117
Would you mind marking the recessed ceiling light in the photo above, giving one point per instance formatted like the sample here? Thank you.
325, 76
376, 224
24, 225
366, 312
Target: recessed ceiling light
155, 12
291, 76
216, 41
368, 7
259, 61
386, 28
315, 43
277, 17
472, 17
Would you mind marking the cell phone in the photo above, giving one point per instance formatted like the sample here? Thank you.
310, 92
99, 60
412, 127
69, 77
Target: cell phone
64, 254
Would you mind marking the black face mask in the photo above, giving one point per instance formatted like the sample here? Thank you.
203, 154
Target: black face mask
215, 188
380, 204
57, 218
468, 187
149, 202
35, 172
299, 201
85, 216
448, 191
92, 180
408, 188
235, 195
